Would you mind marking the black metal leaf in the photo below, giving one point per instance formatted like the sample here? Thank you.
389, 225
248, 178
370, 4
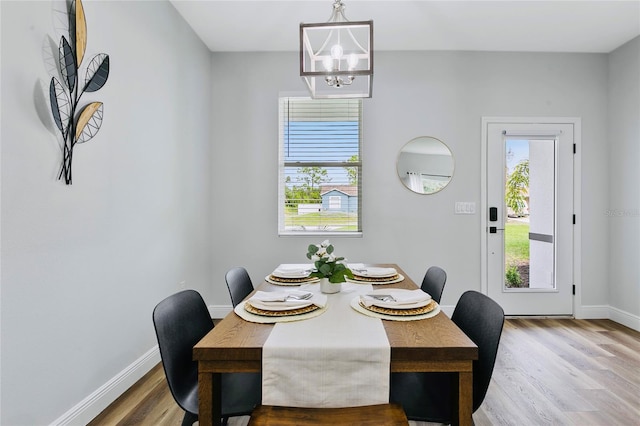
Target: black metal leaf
89, 122
97, 73
60, 105
67, 63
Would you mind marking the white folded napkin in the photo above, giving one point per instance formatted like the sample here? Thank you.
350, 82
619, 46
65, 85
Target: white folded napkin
293, 271
372, 271
401, 296
267, 299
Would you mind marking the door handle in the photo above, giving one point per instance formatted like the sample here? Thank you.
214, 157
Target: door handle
493, 229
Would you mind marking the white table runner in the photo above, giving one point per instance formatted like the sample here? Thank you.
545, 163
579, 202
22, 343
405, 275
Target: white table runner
338, 359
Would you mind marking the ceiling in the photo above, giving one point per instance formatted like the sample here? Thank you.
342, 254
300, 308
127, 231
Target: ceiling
515, 25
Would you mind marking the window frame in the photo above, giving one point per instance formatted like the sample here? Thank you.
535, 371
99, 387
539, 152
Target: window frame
283, 164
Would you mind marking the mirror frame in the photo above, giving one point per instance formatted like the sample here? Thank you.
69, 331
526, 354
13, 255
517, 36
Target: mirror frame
403, 177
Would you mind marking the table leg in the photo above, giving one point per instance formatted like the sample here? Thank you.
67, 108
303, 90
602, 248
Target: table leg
209, 399
465, 398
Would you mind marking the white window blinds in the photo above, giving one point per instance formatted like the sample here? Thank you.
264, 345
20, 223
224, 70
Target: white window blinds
319, 164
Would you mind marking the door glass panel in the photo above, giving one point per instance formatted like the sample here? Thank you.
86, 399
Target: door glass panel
529, 235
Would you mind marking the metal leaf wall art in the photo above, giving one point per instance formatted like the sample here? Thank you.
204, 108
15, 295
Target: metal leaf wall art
76, 124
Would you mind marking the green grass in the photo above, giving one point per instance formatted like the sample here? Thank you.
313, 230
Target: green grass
335, 220
516, 243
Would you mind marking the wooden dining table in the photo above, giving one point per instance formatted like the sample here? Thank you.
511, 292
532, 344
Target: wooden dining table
428, 345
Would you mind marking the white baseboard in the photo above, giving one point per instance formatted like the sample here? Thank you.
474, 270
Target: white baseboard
592, 312
624, 318
609, 312
87, 409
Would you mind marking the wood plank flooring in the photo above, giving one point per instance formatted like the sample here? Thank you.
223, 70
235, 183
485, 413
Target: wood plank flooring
548, 372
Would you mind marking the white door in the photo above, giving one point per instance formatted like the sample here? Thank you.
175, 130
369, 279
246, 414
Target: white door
529, 216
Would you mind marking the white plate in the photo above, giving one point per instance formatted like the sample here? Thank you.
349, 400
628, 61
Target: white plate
374, 272
278, 306
395, 305
289, 275
291, 270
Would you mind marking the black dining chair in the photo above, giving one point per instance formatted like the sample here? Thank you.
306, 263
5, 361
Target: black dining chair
239, 284
427, 396
433, 282
180, 321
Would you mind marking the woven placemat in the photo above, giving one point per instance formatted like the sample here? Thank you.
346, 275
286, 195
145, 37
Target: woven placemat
264, 319
289, 281
297, 311
376, 280
412, 311
355, 304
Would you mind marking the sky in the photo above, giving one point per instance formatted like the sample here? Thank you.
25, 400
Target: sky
516, 151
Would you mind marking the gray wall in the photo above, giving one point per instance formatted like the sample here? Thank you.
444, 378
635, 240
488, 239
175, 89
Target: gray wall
623, 208
440, 94
84, 265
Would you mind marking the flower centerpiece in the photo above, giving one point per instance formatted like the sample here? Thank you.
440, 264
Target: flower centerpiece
328, 267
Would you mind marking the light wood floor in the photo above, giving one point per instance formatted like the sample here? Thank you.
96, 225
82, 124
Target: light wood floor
548, 372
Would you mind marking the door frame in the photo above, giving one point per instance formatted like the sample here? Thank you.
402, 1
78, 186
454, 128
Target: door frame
577, 199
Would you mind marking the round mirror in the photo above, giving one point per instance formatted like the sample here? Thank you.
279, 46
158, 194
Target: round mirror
425, 165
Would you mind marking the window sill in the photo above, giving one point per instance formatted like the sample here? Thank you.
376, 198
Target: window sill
320, 234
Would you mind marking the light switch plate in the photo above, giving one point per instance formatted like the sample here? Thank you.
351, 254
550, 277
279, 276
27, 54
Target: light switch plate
465, 207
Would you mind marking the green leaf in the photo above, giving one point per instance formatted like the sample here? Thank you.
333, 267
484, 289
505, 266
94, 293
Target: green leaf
313, 249
339, 277
517, 187
325, 269
336, 278
330, 249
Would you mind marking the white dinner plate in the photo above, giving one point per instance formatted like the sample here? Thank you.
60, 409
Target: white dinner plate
281, 274
395, 305
374, 272
278, 306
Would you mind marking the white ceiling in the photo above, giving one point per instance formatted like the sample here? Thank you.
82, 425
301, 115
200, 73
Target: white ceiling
515, 25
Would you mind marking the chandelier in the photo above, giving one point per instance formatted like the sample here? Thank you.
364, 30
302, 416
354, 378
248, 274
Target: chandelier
336, 57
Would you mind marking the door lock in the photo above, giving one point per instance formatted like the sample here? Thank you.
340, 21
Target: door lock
493, 214
493, 229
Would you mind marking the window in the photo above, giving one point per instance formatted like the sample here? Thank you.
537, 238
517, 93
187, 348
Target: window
335, 202
320, 177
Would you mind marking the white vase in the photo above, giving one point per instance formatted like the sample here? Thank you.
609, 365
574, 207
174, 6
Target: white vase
329, 287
